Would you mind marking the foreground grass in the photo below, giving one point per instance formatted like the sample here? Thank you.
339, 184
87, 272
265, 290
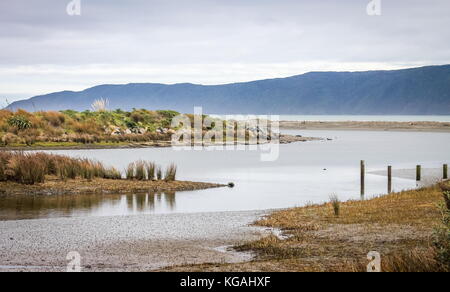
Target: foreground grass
398, 226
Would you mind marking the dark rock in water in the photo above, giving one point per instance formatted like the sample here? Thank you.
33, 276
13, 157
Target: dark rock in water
231, 185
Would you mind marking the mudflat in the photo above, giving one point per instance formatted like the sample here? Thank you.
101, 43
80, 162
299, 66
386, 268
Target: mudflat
129, 243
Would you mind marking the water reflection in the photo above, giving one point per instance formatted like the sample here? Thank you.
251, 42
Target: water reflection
304, 173
32, 207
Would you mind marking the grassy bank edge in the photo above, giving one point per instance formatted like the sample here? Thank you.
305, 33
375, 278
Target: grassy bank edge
401, 226
54, 186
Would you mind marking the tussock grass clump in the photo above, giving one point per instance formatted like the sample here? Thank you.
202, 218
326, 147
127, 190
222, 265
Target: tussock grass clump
142, 170
112, 173
25, 169
31, 168
129, 171
334, 200
171, 173
159, 174
151, 170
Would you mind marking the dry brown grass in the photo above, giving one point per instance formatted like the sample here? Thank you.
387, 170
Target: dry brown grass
32, 168
22, 129
416, 207
399, 226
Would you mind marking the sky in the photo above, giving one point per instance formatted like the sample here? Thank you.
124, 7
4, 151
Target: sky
43, 49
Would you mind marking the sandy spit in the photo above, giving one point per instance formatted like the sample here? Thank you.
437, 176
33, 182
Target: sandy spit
367, 126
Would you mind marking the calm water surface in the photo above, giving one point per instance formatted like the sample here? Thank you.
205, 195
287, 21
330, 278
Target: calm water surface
360, 118
305, 172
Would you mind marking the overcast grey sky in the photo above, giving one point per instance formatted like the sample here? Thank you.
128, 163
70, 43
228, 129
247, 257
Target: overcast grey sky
43, 49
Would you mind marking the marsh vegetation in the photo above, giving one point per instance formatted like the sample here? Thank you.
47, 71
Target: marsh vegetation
22, 128
409, 229
103, 128
34, 168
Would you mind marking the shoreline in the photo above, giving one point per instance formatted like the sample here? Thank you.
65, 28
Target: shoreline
400, 226
311, 238
367, 126
54, 186
284, 139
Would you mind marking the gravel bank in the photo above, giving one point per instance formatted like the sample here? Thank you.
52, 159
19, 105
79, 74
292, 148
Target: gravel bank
133, 243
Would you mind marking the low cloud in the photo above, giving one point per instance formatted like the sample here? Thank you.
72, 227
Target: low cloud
210, 41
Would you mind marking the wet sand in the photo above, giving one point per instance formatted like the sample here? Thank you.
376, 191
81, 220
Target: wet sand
132, 243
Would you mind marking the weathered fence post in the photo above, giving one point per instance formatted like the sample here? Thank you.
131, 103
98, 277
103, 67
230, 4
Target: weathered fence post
445, 171
363, 174
389, 179
418, 173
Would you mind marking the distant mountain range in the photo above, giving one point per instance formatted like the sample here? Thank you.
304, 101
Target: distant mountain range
418, 91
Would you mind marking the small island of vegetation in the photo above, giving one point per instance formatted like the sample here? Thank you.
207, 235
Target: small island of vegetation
47, 174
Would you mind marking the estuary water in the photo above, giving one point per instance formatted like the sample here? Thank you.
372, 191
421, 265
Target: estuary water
359, 118
305, 173
365, 118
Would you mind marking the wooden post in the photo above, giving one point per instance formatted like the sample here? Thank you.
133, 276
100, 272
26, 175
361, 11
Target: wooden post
418, 173
363, 174
389, 179
445, 171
